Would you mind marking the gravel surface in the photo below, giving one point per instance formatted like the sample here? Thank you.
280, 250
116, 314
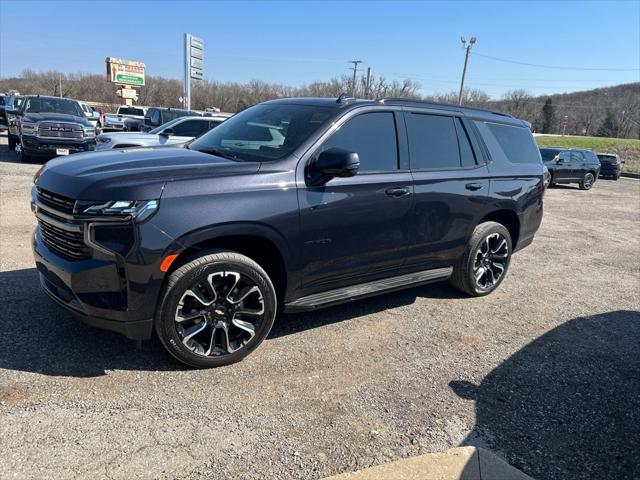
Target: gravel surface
544, 371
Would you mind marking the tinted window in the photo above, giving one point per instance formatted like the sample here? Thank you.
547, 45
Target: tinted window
591, 157
517, 143
190, 128
264, 132
548, 154
130, 111
466, 152
433, 141
215, 123
577, 157
373, 137
154, 117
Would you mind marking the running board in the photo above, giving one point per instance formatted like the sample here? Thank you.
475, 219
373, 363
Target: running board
363, 290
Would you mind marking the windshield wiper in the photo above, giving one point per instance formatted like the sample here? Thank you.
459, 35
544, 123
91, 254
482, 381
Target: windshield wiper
214, 151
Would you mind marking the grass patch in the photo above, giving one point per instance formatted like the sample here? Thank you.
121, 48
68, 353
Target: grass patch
628, 149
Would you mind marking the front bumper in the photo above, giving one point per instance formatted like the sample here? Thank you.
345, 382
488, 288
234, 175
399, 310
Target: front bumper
80, 286
48, 147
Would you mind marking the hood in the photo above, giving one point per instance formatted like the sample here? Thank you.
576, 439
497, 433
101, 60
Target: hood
132, 174
55, 117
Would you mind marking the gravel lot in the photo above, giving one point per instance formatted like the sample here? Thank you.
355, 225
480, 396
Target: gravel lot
545, 371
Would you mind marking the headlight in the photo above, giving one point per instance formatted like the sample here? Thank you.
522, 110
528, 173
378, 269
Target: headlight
139, 210
29, 128
102, 139
89, 132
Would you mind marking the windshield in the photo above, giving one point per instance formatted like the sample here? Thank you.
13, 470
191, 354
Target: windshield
264, 132
130, 111
53, 105
548, 154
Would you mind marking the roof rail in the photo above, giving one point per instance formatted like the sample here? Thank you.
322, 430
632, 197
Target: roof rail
450, 105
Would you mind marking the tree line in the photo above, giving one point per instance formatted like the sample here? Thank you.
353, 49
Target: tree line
611, 111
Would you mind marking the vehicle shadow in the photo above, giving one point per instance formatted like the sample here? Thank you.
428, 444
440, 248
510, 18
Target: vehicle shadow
41, 337
567, 405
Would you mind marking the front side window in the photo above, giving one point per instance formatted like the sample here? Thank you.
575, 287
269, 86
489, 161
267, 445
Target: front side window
264, 132
433, 141
373, 137
191, 128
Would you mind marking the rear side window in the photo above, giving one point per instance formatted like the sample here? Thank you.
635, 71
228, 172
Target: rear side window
433, 141
517, 143
373, 137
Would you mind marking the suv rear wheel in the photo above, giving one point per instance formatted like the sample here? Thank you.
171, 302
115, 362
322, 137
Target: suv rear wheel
587, 182
485, 261
216, 309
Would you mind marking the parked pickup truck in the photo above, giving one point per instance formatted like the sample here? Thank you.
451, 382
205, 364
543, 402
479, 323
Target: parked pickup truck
52, 126
352, 198
126, 119
179, 130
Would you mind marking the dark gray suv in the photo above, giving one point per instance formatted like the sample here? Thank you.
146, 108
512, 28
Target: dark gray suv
292, 204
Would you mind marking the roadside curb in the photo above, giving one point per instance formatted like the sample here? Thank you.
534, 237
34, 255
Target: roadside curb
630, 175
462, 463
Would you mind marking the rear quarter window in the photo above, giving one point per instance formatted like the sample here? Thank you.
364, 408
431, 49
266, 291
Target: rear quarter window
517, 143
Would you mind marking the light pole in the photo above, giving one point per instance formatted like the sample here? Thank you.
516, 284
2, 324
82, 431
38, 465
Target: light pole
466, 59
355, 72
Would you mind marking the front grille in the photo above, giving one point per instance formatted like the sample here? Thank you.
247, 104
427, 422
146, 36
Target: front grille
62, 236
66, 243
60, 130
59, 202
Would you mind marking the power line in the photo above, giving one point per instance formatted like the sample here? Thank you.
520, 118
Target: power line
557, 67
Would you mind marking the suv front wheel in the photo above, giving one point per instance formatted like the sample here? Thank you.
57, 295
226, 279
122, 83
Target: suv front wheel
485, 261
216, 309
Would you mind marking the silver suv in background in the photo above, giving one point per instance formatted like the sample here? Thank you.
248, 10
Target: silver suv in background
177, 131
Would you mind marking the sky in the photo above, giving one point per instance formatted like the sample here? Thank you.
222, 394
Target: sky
591, 44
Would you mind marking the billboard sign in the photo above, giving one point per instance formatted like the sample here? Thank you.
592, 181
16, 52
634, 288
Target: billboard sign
125, 72
195, 48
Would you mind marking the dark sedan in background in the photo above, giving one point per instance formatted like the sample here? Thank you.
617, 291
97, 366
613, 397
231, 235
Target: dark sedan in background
611, 165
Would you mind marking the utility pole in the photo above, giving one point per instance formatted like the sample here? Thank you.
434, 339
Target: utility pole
367, 85
466, 59
187, 72
355, 71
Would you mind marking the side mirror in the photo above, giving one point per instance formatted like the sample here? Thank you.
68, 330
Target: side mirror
167, 132
334, 162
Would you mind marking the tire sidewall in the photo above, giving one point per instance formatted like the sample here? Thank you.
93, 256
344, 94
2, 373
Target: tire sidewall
584, 185
165, 323
488, 229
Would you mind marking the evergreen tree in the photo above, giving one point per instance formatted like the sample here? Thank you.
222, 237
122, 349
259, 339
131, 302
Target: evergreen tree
548, 116
610, 126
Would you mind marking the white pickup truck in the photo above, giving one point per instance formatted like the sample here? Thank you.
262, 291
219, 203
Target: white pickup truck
126, 119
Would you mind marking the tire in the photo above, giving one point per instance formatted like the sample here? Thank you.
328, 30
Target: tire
12, 142
23, 157
204, 330
587, 182
473, 259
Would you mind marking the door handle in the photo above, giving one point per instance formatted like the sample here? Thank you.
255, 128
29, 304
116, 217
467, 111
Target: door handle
473, 186
397, 191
